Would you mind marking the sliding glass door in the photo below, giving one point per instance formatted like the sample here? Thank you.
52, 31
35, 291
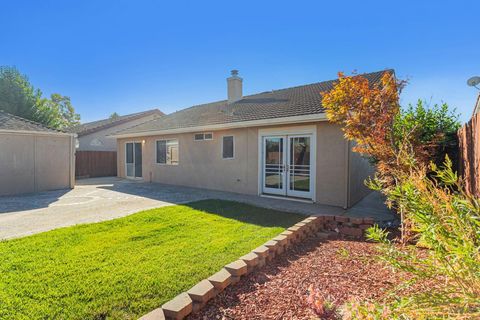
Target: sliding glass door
133, 159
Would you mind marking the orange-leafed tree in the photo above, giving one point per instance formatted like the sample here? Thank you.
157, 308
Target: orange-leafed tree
367, 112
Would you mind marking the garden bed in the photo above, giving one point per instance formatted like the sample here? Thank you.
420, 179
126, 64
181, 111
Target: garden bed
340, 270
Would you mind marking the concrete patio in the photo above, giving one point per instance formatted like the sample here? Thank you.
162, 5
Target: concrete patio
100, 199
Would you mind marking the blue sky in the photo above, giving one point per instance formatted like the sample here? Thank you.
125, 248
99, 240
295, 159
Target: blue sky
129, 56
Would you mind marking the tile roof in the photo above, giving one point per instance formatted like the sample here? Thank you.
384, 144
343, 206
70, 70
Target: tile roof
295, 101
10, 122
91, 127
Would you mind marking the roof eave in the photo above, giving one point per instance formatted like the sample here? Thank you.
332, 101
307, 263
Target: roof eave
231, 125
34, 132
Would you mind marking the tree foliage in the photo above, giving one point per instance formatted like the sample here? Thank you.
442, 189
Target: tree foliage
114, 116
437, 215
20, 98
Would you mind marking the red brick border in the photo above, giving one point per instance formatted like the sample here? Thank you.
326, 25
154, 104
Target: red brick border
197, 297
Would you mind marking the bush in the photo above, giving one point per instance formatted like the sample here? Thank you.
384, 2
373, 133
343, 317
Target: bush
445, 222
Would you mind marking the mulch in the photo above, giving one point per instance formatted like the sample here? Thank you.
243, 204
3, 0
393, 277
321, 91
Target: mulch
339, 269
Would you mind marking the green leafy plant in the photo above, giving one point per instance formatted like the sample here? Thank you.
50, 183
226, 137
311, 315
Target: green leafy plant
446, 255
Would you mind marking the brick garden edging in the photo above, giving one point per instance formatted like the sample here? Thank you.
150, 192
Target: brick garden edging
329, 227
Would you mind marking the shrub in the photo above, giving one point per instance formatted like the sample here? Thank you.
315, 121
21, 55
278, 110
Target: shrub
447, 223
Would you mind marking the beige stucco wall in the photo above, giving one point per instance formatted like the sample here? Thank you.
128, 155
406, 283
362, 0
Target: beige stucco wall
360, 170
108, 143
33, 163
201, 164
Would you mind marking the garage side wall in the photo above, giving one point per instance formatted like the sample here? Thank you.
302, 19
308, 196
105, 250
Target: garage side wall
31, 163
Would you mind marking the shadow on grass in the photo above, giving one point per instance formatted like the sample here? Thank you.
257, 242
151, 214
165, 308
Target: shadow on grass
246, 213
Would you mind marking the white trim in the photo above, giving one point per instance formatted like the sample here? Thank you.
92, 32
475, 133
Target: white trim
233, 140
37, 133
203, 134
232, 125
156, 150
310, 130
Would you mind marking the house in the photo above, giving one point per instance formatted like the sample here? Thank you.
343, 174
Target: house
277, 143
33, 157
93, 136
97, 151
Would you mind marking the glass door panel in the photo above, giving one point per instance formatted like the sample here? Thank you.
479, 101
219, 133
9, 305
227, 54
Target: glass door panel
130, 168
133, 159
274, 165
138, 160
299, 168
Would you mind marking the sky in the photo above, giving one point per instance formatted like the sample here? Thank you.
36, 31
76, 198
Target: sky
129, 56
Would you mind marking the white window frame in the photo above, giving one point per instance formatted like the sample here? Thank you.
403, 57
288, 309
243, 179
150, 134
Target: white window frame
233, 140
156, 151
203, 136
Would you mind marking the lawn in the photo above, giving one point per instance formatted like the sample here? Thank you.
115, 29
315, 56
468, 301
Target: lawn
123, 268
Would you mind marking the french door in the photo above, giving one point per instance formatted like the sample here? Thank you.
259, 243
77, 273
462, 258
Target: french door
133, 159
287, 165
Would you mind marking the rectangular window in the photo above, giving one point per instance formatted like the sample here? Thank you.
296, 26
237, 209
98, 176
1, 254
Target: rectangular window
228, 147
203, 136
167, 151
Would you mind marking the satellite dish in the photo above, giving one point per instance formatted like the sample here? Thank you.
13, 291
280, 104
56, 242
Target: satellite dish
473, 81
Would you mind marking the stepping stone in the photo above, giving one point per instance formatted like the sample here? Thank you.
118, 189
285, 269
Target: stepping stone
202, 291
156, 314
221, 280
251, 259
356, 220
261, 251
281, 239
237, 268
179, 307
341, 219
368, 221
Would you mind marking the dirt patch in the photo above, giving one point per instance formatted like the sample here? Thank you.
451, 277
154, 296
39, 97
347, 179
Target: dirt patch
338, 269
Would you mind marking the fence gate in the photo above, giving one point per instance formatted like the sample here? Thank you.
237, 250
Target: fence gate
90, 164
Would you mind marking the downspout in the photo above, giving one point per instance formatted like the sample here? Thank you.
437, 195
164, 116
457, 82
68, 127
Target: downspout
347, 174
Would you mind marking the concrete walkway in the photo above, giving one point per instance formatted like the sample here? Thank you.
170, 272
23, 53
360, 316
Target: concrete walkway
100, 199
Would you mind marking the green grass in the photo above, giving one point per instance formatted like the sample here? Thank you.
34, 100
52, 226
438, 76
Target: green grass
123, 268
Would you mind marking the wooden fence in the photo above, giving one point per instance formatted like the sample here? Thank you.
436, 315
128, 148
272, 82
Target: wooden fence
95, 164
469, 150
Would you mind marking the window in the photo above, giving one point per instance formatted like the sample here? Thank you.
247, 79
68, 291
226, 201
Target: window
96, 142
228, 147
167, 151
203, 136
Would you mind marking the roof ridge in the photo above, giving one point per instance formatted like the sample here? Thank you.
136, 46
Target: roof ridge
282, 89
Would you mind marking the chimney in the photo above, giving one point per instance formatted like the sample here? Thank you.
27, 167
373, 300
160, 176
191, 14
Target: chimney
234, 84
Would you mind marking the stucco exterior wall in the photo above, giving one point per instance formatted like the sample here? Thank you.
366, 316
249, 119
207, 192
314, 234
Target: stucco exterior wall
33, 163
360, 170
107, 143
201, 164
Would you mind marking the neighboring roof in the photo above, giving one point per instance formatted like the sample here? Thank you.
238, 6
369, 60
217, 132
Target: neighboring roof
10, 122
91, 127
290, 102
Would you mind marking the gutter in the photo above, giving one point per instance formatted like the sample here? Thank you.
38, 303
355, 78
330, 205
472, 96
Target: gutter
41, 133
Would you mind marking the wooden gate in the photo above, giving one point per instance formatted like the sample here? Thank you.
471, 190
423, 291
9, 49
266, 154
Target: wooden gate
469, 149
90, 164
